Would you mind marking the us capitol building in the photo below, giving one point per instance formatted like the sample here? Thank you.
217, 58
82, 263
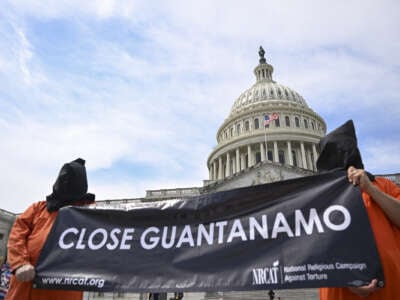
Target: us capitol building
248, 153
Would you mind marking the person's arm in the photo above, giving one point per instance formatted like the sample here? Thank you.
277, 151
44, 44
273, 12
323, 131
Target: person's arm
389, 204
18, 255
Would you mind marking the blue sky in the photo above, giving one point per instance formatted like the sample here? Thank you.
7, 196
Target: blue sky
140, 88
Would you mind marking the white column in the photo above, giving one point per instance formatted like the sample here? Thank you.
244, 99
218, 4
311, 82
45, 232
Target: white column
210, 172
220, 167
310, 162
314, 150
303, 155
276, 157
228, 164
242, 161
237, 160
249, 158
262, 151
289, 149
266, 150
214, 170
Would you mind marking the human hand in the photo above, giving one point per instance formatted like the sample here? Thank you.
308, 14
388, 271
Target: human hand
359, 177
366, 290
25, 273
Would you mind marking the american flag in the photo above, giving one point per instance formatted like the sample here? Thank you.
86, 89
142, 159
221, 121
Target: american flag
269, 118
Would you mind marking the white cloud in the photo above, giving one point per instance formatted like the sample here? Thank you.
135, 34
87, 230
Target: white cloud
25, 55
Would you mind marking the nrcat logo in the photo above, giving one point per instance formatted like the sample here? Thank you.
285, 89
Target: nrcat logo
267, 275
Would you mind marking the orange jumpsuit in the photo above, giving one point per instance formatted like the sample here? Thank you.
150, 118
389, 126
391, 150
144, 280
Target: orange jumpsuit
387, 237
26, 240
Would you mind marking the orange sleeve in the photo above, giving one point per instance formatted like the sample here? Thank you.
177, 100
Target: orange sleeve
18, 254
389, 187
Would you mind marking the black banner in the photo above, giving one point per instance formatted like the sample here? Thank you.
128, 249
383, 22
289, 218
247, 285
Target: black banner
301, 233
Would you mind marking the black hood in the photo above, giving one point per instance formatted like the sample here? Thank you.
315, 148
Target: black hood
70, 186
339, 150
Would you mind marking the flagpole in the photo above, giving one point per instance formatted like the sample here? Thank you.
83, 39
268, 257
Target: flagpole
267, 121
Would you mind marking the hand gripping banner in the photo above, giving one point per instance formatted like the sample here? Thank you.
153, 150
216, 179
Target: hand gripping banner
300, 233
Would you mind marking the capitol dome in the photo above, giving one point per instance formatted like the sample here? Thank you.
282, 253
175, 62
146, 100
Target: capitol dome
263, 91
290, 141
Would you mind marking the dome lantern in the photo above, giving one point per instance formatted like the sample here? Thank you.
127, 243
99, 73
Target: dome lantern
264, 70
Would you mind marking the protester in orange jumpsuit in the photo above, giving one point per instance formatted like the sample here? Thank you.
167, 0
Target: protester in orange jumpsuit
31, 228
382, 201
